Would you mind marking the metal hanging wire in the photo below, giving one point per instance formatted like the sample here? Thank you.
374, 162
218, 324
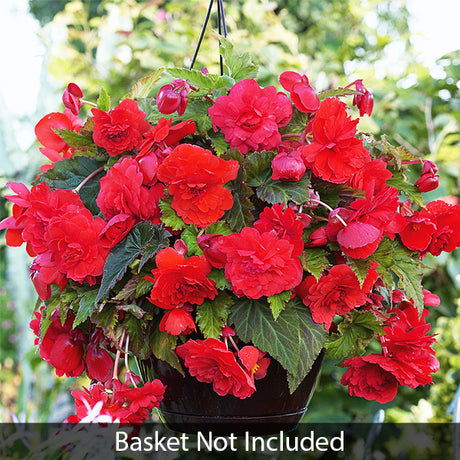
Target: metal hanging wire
222, 27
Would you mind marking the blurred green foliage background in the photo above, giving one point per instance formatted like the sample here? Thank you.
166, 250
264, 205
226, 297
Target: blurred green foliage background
112, 43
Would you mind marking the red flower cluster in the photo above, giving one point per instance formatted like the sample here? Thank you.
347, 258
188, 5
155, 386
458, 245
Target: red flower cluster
211, 362
406, 359
195, 178
433, 229
250, 116
123, 404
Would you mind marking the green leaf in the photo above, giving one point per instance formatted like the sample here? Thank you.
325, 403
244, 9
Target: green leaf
360, 268
219, 227
69, 173
337, 93
143, 286
162, 345
278, 191
86, 306
197, 110
142, 88
145, 240
354, 335
189, 236
258, 167
294, 340
277, 302
77, 140
314, 260
169, 216
384, 257
212, 315
218, 276
103, 101
399, 181
239, 65
239, 215
197, 78
138, 343
407, 267
134, 309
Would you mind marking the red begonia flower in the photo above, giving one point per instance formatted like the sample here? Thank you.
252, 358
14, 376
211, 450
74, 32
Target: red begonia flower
429, 179
121, 129
178, 280
368, 379
195, 177
335, 155
359, 240
336, 293
417, 233
210, 361
122, 192
254, 361
173, 97
250, 116
260, 264
177, 321
284, 223
99, 363
210, 245
147, 396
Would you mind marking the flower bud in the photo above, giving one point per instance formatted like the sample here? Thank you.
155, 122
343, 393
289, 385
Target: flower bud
148, 166
302, 94
288, 166
429, 180
365, 100
210, 245
317, 238
72, 98
173, 97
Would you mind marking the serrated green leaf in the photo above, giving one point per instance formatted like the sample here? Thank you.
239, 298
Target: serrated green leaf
86, 306
77, 140
278, 191
197, 110
360, 268
69, 173
354, 335
162, 345
277, 303
169, 216
383, 256
239, 65
141, 89
143, 286
189, 236
212, 315
239, 215
218, 276
138, 343
219, 227
314, 261
407, 267
337, 93
258, 167
197, 78
134, 309
219, 142
103, 101
145, 240
294, 340
411, 191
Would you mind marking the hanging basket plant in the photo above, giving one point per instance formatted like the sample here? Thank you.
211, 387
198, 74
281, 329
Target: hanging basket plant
227, 230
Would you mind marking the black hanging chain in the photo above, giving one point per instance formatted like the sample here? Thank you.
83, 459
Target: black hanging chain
222, 26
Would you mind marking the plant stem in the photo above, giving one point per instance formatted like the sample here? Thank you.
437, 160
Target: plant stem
117, 357
330, 209
92, 104
87, 179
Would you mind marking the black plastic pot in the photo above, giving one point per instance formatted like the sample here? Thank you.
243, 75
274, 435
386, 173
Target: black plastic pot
190, 406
